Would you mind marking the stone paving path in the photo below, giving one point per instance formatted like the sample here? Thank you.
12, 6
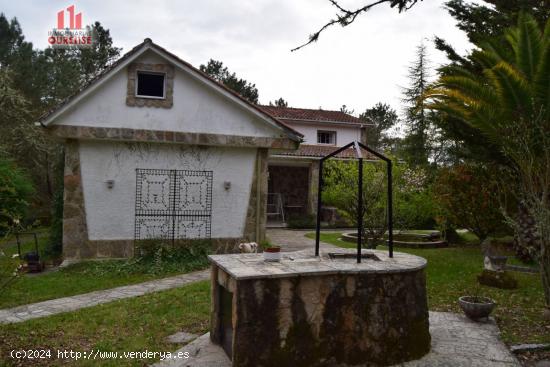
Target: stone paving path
295, 240
66, 304
456, 342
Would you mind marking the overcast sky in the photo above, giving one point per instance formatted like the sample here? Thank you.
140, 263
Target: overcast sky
358, 65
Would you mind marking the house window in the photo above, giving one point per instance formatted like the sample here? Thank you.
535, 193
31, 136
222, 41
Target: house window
326, 137
150, 85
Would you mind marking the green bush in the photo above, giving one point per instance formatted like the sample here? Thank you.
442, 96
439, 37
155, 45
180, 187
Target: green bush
301, 221
413, 205
16, 190
467, 197
157, 256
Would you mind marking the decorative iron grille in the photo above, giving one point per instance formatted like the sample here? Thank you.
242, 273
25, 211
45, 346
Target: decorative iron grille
173, 204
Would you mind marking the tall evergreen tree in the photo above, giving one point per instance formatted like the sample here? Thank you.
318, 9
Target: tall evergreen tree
18, 55
415, 147
220, 73
487, 20
47, 76
42, 78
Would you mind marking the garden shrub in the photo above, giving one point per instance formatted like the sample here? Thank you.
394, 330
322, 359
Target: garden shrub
302, 221
16, 190
157, 256
413, 205
467, 197
497, 279
340, 191
15, 193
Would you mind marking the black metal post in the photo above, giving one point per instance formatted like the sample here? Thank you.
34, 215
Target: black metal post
390, 209
359, 208
18, 245
319, 192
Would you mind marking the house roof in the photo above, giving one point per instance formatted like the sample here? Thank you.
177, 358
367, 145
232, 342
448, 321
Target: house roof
135, 52
319, 151
306, 114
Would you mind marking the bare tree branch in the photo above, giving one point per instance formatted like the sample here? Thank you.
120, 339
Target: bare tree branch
345, 17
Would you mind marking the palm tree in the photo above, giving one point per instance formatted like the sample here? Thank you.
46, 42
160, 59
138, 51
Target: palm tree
508, 104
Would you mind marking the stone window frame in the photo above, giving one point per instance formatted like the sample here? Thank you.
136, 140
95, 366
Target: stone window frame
133, 100
143, 72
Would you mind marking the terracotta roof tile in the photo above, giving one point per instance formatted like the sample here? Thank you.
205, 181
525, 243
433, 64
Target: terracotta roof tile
318, 151
291, 113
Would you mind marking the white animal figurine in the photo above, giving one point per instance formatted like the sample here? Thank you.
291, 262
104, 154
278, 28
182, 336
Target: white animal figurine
248, 247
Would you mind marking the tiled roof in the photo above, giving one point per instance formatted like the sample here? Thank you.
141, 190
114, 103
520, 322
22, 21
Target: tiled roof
291, 113
318, 151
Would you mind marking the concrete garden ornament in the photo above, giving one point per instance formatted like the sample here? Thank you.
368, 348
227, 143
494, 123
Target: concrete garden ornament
248, 247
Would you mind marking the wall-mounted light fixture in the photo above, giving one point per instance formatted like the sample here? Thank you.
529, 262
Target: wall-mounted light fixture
110, 184
227, 185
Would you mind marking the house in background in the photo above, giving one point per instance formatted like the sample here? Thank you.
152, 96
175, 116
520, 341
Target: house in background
293, 175
155, 149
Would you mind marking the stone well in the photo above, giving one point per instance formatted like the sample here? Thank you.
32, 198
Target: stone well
320, 311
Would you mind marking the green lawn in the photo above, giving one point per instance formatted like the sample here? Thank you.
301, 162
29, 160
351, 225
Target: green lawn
135, 324
79, 278
142, 323
452, 272
86, 276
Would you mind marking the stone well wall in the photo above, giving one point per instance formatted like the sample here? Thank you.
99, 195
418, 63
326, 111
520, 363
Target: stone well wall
321, 319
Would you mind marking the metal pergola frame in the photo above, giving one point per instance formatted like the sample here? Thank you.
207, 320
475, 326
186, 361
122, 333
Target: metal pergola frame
359, 156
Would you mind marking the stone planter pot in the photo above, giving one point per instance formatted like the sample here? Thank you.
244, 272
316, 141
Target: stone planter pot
476, 308
272, 254
495, 263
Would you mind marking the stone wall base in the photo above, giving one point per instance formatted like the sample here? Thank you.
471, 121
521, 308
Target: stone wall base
116, 249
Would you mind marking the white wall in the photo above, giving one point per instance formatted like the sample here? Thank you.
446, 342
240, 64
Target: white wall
110, 213
344, 134
197, 108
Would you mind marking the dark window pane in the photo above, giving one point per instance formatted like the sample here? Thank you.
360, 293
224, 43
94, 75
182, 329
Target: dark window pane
151, 85
326, 137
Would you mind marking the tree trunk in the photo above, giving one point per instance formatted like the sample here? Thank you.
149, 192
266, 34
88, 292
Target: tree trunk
545, 273
527, 240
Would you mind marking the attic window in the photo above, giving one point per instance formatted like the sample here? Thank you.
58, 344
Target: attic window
150, 85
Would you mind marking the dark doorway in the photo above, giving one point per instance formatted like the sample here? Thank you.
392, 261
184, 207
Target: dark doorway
288, 191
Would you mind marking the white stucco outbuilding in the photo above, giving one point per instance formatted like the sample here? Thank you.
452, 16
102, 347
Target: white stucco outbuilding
154, 148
